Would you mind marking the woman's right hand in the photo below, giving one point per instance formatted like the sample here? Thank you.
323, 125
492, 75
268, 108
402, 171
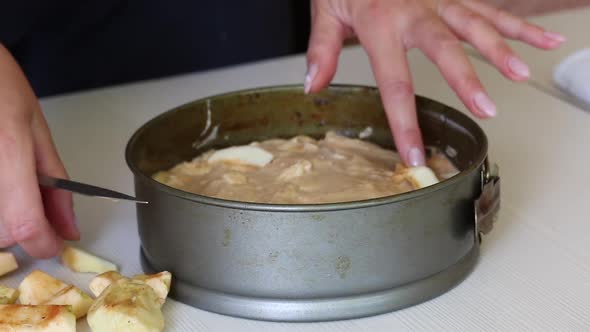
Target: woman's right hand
387, 29
36, 219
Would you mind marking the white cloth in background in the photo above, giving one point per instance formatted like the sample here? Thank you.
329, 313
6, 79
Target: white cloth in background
572, 75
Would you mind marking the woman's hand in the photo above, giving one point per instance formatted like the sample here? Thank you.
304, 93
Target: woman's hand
388, 28
38, 220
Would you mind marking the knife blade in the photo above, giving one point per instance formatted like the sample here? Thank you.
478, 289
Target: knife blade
84, 189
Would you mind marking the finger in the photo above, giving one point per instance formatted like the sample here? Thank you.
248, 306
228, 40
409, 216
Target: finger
446, 52
325, 44
58, 203
516, 28
390, 67
21, 208
475, 29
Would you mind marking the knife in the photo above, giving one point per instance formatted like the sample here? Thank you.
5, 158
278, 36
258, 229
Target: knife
84, 189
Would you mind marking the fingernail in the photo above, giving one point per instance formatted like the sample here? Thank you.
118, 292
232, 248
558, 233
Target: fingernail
416, 157
484, 104
518, 67
554, 36
311, 72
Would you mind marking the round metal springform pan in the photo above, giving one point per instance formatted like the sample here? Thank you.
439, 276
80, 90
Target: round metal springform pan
309, 262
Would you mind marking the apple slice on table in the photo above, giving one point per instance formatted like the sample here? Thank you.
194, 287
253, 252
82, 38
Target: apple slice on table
8, 295
81, 261
7, 263
74, 297
159, 282
36, 318
104, 280
39, 287
126, 305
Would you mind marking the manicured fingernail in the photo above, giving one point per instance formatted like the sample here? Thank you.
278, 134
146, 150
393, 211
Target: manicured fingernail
554, 36
311, 72
416, 157
518, 67
484, 104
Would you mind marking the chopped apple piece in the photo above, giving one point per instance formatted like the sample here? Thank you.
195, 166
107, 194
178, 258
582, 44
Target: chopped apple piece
8, 295
160, 282
102, 281
81, 261
246, 154
39, 287
7, 263
126, 305
38, 318
74, 297
420, 176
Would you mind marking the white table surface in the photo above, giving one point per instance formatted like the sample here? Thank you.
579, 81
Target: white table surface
534, 271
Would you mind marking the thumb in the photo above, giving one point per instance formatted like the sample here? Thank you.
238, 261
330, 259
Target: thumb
325, 44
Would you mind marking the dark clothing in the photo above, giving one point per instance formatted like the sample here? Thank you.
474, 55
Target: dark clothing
67, 45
